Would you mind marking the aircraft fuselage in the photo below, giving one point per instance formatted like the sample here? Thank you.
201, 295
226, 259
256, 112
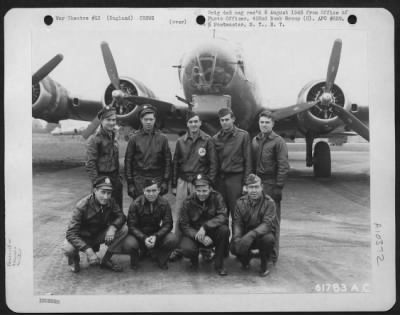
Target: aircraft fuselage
216, 69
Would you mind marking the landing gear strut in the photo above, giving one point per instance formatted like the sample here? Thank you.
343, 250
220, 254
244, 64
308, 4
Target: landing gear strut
321, 160
309, 144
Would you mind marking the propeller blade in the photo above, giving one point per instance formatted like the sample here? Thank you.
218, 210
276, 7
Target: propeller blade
292, 110
333, 65
91, 128
352, 121
46, 69
110, 65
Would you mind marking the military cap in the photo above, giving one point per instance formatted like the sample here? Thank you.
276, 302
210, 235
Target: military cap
147, 109
201, 180
252, 179
190, 115
103, 182
225, 111
106, 112
149, 182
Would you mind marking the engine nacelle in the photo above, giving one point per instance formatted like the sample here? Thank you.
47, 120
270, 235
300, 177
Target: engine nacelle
129, 86
50, 101
320, 119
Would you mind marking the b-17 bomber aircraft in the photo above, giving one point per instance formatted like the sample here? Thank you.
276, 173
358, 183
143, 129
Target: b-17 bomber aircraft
213, 75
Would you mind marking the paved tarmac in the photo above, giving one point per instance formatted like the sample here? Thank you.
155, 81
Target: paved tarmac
325, 238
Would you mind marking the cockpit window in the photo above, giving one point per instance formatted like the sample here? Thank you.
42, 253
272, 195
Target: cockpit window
210, 71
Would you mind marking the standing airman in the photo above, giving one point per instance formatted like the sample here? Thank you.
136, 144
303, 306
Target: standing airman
147, 155
234, 154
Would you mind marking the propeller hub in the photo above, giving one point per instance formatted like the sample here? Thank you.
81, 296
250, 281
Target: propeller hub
117, 94
326, 99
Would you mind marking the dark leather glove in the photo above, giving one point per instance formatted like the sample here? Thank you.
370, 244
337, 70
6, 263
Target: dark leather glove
163, 188
277, 193
245, 243
132, 190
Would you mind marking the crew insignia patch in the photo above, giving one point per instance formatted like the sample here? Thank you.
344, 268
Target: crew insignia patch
202, 152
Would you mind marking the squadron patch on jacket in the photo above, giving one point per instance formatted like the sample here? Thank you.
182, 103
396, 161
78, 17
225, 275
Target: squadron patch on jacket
202, 151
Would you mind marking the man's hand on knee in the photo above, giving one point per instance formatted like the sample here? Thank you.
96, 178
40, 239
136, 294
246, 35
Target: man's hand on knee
207, 241
110, 235
201, 233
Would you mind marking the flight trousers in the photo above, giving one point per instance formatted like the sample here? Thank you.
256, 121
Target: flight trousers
162, 249
116, 247
220, 236
229, 185
265, 245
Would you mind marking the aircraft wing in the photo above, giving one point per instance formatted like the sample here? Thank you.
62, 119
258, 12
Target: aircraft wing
163, 108
292, 110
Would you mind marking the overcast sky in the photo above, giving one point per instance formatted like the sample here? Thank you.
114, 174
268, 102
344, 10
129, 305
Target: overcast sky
282, 61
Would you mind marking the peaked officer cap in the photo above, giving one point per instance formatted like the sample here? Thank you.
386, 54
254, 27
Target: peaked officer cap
147, 109
201, 180
103, 182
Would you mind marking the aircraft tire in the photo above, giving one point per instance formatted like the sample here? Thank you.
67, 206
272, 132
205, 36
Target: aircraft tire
322, 160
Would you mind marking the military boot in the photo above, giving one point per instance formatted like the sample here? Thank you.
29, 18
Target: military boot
73, 262
135, 260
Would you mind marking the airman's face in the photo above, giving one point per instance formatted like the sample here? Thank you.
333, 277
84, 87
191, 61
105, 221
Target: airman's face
202, 192
102, 195
194, 124
109, 122
148, 121
227, 122
266, 124
151, 192
255, 190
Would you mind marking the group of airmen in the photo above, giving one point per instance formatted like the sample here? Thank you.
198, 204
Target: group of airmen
213, 178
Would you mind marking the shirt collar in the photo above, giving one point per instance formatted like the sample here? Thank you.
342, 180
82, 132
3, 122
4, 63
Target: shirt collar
154, 131
232, 132
106, 133
201, 135
271, 135
256, 202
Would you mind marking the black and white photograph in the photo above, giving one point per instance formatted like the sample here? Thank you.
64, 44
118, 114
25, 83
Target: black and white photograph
202, 159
